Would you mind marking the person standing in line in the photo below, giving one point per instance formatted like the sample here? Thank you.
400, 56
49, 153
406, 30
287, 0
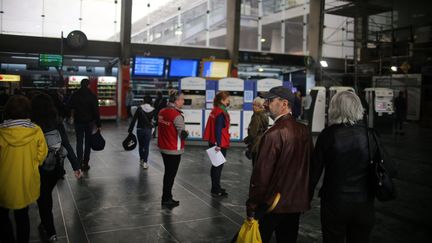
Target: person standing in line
347, 199
257, 126
144, 116
171, 139
44, 114
22, 150
282, 166
217, 134
400, 105
129, 101
85, 113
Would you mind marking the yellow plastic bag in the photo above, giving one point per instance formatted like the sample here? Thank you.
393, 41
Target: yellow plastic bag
249, 232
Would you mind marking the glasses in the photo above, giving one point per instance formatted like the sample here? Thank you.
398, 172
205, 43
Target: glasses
270, 100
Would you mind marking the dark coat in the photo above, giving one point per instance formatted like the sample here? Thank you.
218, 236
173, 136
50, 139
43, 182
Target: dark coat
282, 166
342, 150
257, 126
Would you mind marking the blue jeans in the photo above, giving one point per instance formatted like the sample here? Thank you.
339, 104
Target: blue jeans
144, 135
83, 130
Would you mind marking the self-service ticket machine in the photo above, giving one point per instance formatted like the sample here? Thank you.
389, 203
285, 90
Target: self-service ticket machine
381, 110
236, 88
194, 91
317, 111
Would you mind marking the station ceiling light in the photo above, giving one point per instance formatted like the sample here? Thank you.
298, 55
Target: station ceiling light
394, 68
263, 40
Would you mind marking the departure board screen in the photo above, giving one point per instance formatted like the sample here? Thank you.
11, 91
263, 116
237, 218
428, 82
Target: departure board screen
149, 66
215, 69
180, 68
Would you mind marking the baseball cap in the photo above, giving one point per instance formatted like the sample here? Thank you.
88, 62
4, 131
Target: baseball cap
281, 92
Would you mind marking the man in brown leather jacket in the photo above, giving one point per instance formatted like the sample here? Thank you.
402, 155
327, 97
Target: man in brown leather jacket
282, 166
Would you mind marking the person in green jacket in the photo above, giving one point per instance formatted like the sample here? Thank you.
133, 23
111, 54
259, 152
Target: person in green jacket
257, 126
22, 150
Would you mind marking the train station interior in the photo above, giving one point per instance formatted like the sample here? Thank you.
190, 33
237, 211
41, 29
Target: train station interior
315, 48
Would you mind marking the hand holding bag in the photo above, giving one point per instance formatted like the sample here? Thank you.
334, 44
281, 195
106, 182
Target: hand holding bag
97, 142
130, 142
381, 172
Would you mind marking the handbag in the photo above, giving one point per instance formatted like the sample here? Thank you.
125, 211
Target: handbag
381, 172
97, 142
130, 142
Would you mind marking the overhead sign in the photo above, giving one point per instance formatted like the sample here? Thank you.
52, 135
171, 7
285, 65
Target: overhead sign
264, 85
193, 83
231, 84
50, 60
9, 78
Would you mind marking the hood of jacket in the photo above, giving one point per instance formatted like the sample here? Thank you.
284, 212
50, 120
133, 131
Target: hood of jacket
18, 132
147, 108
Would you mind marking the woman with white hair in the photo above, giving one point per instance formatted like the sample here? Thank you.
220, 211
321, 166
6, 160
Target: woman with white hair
347, 200
257, 126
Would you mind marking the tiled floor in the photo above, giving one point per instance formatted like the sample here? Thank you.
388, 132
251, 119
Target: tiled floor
117, 201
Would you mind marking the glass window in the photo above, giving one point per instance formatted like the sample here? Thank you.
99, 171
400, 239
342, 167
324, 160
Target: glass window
278, 26
182, 22
48, 18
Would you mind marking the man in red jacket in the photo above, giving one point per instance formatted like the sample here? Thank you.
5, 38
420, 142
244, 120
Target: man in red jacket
172, 133
282, 166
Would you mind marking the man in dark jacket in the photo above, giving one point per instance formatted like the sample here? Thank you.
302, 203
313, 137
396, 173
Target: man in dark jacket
282, 166
85, 113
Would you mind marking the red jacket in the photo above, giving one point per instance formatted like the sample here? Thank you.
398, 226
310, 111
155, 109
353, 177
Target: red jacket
169, 139
210, 130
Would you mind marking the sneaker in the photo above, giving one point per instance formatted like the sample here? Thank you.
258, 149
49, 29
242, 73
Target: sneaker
145, 165
141, 162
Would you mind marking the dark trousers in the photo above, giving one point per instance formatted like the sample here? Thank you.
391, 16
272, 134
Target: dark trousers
45, 202
144, 136
83, 130
347, 222
285, 225
215, 174
399, 124
22, 226
171, 163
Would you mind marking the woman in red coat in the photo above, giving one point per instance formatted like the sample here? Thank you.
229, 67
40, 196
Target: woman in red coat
217, 134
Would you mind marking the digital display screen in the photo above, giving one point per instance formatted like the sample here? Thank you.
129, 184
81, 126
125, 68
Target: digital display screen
183, 68
149, 66
215, 69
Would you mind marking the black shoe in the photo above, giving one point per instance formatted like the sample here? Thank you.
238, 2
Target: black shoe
219, 194
170, 203
222, 190
85, 166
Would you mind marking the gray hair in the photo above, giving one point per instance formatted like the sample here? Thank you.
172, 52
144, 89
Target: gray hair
345, 107
259, 101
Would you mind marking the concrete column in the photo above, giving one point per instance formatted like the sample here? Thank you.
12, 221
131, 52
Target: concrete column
233, 29
315, 30
125, 50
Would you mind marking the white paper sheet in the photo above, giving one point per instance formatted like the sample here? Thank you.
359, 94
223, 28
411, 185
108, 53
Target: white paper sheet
216, 158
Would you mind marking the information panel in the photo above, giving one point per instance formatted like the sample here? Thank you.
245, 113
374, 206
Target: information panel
149, 66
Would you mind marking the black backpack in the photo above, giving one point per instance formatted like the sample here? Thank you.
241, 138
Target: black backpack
56, 152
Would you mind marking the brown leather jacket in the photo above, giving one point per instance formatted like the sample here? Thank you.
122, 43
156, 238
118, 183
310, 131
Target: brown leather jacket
282, 166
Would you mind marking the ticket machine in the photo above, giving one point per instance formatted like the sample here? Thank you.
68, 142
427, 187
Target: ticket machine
235, 87
381, 110
194, 91
317, 111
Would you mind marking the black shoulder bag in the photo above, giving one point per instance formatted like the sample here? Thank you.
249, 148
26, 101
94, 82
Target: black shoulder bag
381, 176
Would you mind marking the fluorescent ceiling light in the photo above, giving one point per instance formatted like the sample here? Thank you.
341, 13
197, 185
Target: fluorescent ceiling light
24, 57
394, 68
323, 63
263, 40
261, 69
84, 60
